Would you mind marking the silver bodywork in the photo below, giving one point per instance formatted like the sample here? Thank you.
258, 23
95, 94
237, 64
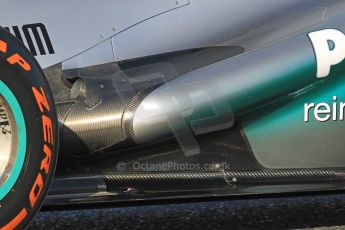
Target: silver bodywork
88, 34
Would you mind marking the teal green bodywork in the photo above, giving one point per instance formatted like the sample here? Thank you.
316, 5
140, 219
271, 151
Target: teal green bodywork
279, 136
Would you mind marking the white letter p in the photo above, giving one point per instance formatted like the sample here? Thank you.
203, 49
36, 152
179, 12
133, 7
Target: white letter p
327, 56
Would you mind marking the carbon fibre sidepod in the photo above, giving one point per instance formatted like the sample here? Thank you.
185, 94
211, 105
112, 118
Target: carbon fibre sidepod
137, 97
151, 99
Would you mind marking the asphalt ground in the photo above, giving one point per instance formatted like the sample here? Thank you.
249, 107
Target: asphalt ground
302, 212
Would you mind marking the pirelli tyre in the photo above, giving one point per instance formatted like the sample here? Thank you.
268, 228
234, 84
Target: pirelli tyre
28, 134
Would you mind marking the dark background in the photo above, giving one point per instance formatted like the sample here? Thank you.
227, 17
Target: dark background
298, 212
